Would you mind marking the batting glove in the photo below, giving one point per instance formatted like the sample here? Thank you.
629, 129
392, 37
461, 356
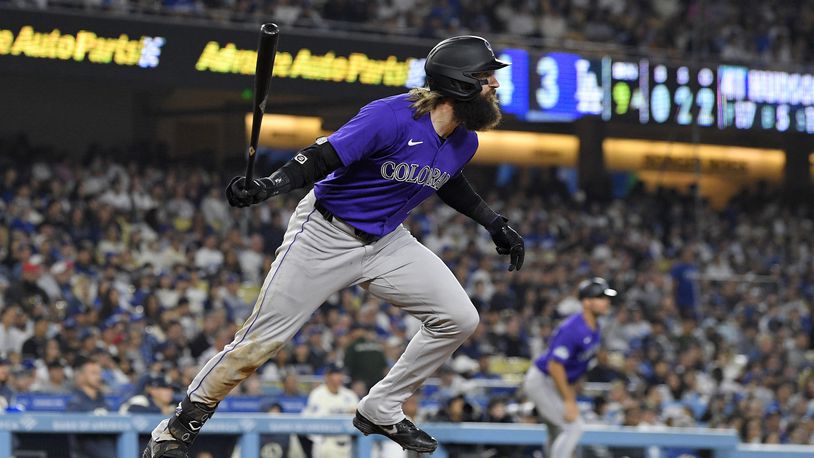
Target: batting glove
240, 193
508, 242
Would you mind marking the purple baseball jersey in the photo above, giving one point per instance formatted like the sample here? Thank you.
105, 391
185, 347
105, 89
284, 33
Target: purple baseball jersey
574, 345
391, 163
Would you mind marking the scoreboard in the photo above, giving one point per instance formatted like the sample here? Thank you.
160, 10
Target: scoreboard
768, 100
563, 87
658, 94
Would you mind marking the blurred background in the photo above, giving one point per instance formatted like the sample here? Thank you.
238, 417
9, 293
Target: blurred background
664, 145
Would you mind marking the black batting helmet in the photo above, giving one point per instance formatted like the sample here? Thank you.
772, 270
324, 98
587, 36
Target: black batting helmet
595, 287
451, 64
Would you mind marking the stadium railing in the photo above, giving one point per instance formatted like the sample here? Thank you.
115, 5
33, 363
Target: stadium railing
249, 427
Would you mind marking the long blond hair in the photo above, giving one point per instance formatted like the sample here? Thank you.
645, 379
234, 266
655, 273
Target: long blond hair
424, 100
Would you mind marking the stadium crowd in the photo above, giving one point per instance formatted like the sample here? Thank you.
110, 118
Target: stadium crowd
119, 276
771, 31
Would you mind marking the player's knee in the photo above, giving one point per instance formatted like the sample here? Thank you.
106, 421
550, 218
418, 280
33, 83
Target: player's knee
468, 322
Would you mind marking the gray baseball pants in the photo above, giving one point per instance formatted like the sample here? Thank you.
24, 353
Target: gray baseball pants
318, 258
562, 437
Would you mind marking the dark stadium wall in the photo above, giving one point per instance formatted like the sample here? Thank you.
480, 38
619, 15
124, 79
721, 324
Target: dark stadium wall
67, 113
799, 166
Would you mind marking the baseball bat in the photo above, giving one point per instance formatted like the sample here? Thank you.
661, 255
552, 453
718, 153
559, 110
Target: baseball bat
266, 52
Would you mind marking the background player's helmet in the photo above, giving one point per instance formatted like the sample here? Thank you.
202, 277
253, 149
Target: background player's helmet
451, 63
595, 287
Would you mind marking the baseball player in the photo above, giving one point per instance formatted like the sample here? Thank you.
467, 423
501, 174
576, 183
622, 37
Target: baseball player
550, 380
348, 230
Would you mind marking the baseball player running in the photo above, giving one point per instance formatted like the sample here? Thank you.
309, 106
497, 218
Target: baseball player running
550, 380
368, 176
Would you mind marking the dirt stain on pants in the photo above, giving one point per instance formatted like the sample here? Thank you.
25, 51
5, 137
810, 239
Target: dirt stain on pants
230, 367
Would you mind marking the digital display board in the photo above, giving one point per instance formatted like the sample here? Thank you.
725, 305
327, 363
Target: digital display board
564, 87
161, 54
658, 94
766, 100
537, 87
514, 81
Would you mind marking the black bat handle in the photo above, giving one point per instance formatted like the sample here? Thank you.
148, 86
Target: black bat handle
266, 52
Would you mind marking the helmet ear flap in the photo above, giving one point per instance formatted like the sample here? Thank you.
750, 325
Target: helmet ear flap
443, 84
463, 87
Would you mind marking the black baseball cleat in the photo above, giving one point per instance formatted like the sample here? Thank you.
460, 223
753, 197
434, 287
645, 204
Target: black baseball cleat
404, 433
165, 449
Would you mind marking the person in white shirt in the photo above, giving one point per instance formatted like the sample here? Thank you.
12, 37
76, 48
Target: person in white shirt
251, 260
11, 337
332, 398
117, 197
174, 253
209, 258
215, 211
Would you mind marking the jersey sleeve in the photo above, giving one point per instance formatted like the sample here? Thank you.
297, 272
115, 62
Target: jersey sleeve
562, 346
374, 128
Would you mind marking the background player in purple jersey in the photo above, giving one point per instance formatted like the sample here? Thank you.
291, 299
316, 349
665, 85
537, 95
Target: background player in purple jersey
550, 380
368, 176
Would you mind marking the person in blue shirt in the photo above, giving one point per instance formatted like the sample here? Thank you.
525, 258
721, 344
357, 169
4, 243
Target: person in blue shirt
368, 176
87, 397
549, 382
685, 284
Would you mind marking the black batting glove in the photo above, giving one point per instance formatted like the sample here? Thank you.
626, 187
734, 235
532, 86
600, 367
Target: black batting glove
241, 193
507, 242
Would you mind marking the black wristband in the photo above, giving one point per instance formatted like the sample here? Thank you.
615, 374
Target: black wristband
278, 182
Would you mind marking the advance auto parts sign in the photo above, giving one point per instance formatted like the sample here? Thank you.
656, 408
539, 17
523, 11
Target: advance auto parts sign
356, 67
169, 54
84, 45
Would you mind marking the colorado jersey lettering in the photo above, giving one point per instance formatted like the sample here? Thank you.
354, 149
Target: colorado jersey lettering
391, 163
574, 344
427, 176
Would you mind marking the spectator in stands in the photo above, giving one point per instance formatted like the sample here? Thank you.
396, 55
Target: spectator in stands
685, 278
291, 385
34, 347
484, 371
205, 338
6, 392
23, 377
56, 381
513, 342
458, 410
222, 337
252, 259
275, 445
87, 394
12, 337
27, 293
156, 398
87, 397
496, 412
332, 398
364, 357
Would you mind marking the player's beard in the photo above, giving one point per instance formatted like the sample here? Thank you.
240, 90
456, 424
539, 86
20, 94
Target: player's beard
482, 113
